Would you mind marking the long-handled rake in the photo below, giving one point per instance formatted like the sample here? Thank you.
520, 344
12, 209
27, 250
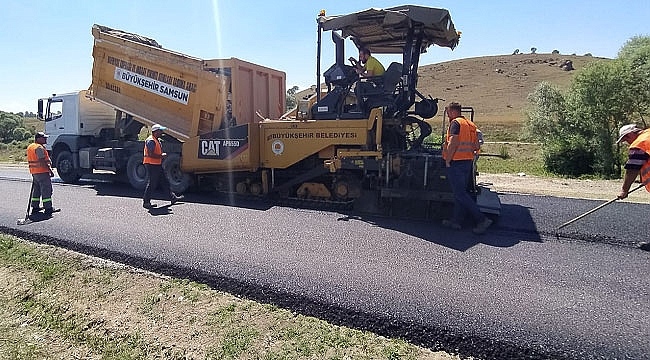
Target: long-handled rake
29, 205
557, 234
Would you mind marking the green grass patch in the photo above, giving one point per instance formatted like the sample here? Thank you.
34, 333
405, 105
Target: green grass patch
519, 158
501, 131
15, 151
235, 342
16, 254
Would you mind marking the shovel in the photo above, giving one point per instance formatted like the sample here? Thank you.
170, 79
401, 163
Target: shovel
29, 204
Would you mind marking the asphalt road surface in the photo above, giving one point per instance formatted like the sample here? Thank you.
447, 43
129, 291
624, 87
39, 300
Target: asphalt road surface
516, 292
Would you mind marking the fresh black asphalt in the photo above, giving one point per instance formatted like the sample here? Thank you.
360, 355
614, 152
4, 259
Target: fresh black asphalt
518, 292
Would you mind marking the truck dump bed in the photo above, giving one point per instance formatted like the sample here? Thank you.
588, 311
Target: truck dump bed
190, 96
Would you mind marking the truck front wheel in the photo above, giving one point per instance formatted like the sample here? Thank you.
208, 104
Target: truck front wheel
136, 172
65, 168
179, 181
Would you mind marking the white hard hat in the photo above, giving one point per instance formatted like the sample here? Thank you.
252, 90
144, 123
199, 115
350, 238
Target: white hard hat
626, 129
157, 127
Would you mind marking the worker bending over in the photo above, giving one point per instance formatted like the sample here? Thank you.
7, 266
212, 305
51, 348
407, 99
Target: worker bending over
638, 162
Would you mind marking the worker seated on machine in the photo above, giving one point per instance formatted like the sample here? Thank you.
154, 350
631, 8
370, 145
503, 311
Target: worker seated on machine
367, 67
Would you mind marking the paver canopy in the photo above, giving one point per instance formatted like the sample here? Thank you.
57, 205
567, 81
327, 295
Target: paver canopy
386, 30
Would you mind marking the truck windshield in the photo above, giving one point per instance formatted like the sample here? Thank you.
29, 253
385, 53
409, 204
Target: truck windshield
54, 110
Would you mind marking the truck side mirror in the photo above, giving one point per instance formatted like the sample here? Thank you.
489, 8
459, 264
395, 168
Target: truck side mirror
40, 109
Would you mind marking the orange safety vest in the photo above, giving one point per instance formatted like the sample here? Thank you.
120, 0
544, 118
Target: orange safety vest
154, 158
643, 142
468, 140
35, 165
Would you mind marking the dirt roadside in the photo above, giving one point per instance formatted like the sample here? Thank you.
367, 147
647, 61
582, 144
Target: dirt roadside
569, 188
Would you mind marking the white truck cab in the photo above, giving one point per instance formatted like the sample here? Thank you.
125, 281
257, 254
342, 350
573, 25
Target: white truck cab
74, 114
87, 135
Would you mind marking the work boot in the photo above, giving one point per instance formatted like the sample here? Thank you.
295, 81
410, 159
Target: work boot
50, 211
450, 224
175, 198
482, 226
147, 205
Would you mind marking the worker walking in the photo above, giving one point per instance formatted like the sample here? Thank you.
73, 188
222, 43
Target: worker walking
461, 146
40, 167
153, 157
638, 162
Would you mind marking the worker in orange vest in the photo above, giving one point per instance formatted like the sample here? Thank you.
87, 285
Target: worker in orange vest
638, 162
41, 170
460, 148
153, 158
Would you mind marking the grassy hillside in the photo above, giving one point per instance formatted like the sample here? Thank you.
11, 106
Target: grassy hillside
497, 86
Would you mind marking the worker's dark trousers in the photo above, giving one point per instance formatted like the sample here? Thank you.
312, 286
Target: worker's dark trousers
42, 190
362, 87
155, 177
458, 175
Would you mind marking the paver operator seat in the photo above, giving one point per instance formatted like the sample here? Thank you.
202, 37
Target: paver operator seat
383, 94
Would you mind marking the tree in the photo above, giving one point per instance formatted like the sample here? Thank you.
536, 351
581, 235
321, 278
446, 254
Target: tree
291, 97
632, 45
636, 58
533, 50
579, 127
566, 151
600, 100
546, 118
9, 122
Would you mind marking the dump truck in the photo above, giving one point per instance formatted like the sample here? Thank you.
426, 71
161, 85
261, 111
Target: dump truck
228, 129
135, 84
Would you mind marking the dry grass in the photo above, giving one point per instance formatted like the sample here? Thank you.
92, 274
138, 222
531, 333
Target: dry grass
497, 87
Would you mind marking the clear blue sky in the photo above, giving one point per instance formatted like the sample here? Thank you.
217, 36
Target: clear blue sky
46, 45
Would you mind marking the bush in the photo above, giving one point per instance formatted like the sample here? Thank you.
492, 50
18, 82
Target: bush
20, 134
570, 157
8, 123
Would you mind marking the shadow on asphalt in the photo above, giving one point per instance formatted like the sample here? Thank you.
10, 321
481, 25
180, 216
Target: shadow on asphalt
161, 210
204, 197
513, 226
